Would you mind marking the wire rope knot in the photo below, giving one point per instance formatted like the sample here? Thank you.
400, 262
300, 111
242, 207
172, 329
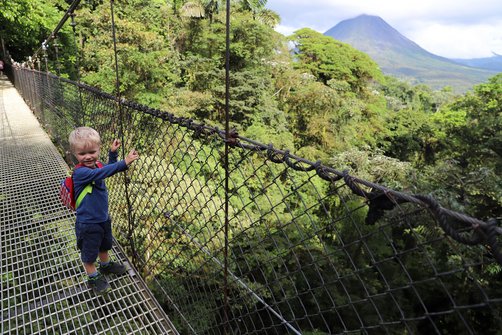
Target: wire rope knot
349, 181
232, 138
480, 234
490, 232
273, 154
298, 165
443, 221
199, 130
325, 173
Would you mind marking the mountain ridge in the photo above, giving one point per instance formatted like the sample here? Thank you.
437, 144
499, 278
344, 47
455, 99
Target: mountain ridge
490, 63
401, 57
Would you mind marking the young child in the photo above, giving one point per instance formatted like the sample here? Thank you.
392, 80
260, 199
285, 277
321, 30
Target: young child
93, 226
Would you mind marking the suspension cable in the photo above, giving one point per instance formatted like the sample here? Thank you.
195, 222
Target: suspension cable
121, 126
56, 48
73, 24
53, 35
227, 138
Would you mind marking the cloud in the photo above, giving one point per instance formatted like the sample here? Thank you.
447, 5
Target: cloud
285, 30
460, 41
450, 28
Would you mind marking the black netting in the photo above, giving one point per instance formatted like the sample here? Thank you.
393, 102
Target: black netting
311, 250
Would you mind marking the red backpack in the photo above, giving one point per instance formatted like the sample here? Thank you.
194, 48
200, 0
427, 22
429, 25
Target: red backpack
67, 193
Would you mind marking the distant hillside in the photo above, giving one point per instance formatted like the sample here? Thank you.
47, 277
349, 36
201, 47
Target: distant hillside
398, 56
493, 63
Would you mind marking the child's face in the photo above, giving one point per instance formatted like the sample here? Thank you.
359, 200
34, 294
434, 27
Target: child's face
87, 154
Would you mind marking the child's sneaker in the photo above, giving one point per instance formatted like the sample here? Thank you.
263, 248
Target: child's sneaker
112, 268
99, 284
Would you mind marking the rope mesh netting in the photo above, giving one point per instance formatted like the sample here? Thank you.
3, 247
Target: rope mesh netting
311, 250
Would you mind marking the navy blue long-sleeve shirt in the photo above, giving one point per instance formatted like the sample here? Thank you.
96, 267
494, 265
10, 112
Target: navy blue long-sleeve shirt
94, 206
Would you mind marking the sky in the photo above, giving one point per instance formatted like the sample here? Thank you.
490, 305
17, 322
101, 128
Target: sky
448, 28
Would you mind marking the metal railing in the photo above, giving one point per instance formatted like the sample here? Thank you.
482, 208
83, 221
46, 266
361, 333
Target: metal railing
311, 250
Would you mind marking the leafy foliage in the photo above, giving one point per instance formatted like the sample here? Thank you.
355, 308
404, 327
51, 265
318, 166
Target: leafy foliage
25, 24
328, 59
471, 131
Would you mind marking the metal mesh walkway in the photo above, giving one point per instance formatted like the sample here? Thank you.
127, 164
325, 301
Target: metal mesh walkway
42, 280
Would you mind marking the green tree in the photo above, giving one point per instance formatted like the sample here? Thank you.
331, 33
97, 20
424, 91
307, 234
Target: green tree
471, 167
25, 24
148, 63
412, 135
328, 59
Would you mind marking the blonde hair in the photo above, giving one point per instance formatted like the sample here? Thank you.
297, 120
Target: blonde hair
83, 136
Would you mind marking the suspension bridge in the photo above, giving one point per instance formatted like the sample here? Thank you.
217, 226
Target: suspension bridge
224, 235
310, 249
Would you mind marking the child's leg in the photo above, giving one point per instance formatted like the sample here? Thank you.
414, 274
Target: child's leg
104, 257
89, 237
106, 266
90, 268
96, 281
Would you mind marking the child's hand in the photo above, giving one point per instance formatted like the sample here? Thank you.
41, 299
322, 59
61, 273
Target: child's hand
115, 145
131, 157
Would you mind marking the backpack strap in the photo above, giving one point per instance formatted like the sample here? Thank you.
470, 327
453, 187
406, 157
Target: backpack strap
88, 188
